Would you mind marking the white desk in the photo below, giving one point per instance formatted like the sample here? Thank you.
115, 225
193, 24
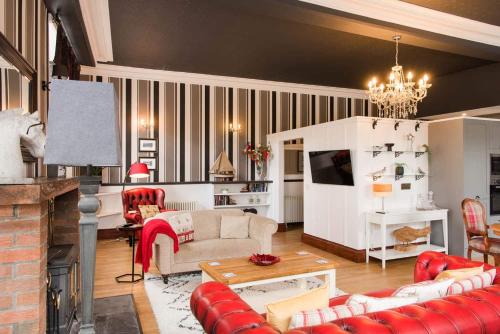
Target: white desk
403, 218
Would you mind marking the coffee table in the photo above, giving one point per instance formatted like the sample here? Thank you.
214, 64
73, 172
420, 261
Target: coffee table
240, 272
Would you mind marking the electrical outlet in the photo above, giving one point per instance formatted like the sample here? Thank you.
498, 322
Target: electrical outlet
405, 186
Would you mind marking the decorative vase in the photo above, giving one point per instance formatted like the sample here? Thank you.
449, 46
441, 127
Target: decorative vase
261, 171
400, 170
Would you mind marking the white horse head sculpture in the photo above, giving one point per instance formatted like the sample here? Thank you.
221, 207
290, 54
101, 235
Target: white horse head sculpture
17, 127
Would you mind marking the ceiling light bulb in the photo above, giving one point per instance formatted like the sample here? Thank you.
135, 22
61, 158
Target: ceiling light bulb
382, 86
391, 77
420, 82
374, 80
426, 77
464, 114
410, 75
370, 84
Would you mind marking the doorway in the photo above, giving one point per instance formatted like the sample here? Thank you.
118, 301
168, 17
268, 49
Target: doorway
293, 200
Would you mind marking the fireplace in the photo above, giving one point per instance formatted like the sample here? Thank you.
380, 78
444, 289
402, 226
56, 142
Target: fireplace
24, 250
62, 288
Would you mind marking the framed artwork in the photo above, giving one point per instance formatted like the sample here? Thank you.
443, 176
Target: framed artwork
151, 162
300, 162
148, 145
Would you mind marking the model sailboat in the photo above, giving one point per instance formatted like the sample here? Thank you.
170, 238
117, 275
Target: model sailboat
222, 169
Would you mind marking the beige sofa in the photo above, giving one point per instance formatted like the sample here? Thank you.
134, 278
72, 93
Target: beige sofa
208, 245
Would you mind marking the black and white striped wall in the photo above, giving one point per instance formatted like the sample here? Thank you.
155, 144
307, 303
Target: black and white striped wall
190, 114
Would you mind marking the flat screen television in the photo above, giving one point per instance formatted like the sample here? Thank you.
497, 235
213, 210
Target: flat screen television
331, 167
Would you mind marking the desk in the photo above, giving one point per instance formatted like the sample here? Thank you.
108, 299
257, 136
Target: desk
403, 218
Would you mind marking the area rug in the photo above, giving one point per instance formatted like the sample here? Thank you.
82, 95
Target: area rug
170, 302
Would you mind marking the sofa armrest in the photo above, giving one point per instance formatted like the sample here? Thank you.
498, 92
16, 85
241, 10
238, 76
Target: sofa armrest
220, 310
163, 253
429, 264
262, 229
133, 217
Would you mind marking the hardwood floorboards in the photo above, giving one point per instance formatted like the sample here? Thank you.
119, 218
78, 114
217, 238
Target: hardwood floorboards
114, 258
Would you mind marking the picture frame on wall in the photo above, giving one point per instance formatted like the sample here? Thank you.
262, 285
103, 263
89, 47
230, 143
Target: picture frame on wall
148, 145
300, 162
151, 162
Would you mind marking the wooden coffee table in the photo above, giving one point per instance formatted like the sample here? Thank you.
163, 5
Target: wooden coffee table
240, 272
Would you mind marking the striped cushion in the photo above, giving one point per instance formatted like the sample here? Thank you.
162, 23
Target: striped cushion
327, 314
475, 282
425, 290
474, 217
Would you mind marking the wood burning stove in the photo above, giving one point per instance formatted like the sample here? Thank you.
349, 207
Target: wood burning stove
62, 288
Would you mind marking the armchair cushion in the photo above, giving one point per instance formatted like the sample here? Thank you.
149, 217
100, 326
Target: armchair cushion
148, 211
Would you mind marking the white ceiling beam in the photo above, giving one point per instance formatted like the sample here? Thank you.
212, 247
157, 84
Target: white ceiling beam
417, 17
98, 26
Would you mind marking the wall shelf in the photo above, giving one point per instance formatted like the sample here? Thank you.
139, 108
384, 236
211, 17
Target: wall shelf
244, 193
397, 153
399, 177
249, 205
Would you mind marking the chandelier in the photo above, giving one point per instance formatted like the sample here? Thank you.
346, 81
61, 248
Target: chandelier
398, 98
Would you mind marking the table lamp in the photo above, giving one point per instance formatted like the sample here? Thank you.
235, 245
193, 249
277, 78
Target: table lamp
83, 130
382, 190
137, 170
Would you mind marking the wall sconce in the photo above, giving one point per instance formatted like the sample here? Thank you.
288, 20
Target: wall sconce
234, 128
145, 124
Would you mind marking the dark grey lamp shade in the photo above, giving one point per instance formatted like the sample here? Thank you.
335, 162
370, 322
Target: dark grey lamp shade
83, 127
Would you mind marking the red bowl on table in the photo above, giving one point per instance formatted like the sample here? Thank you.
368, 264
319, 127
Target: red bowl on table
264, 259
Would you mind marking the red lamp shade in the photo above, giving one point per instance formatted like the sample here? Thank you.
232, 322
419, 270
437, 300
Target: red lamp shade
138, 170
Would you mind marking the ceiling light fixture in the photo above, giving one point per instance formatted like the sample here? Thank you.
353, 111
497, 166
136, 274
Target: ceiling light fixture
398, 98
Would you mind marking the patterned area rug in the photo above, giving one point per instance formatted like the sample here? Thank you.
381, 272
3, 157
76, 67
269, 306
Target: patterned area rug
170, 302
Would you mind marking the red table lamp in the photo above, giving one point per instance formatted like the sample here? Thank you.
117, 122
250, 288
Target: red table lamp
137, 170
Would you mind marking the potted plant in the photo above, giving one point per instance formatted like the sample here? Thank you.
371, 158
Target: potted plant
400, 168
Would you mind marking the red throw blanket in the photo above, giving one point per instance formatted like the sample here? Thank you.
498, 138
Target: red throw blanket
148, 236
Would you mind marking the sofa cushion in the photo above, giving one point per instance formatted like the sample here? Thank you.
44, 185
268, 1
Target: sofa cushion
425, 290
479, 281
234, 227
459, 274
279, 314
205, 250
374, 304
206, 223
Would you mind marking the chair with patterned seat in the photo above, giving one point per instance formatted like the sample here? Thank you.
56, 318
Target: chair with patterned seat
474, 215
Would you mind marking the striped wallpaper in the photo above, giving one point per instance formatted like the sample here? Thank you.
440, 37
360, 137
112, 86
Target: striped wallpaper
24, 23
191, 121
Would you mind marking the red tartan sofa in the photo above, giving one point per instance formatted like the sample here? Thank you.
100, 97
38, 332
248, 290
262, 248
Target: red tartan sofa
221, 311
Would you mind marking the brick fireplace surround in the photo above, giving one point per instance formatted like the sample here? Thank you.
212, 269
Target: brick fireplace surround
23, 248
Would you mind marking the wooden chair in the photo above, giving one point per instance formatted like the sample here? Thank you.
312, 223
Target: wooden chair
474, 215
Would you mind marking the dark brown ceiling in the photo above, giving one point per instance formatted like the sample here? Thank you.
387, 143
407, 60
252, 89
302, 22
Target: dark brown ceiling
227, 37
487, 11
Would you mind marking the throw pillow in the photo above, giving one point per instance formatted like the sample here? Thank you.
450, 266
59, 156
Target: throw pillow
459, 274
327, 314
482, 280
280, 313
425, 290
148, 211
234, 227
374, 304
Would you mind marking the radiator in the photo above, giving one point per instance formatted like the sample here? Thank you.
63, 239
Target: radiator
294, 209
181, 205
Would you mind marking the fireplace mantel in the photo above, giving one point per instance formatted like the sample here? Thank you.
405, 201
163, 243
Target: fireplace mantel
24, 237
41, 189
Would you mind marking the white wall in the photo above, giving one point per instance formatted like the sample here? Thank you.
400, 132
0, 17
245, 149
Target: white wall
336, 213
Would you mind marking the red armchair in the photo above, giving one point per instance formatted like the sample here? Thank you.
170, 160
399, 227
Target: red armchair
221, 311
131, 199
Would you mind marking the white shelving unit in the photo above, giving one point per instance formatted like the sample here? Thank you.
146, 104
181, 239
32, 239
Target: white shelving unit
230, 192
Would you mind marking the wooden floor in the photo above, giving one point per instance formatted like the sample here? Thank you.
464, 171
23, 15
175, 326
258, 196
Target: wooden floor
114, 258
